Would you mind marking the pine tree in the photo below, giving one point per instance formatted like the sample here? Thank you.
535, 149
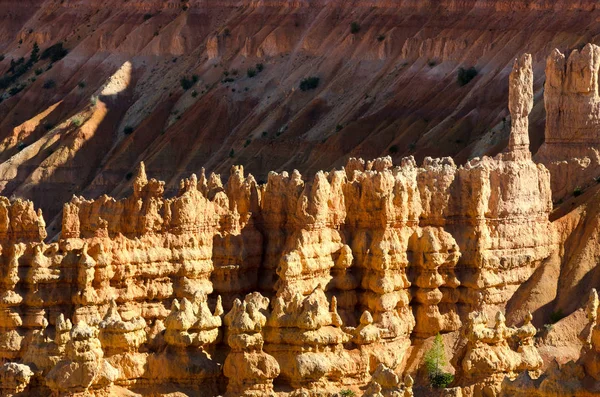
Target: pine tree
435, 358
435, 361
35, 53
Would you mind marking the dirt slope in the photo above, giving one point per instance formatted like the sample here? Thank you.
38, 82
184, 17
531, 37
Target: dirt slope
81, 124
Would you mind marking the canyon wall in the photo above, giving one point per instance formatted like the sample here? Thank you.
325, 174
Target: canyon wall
291, 286
284, 284
80, 123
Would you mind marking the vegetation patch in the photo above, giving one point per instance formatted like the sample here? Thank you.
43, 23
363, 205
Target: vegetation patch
309, 83
187, 83
465, 76
55, 53
435, 360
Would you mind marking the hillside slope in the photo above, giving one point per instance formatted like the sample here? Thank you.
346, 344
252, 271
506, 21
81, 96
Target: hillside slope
81, 124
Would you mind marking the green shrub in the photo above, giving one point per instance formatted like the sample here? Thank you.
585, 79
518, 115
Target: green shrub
264, 134
147, 16
227, 80
464, 76
435, 360
194, 94
231, 153
55, 52
248, 142
35, 54
15, 90
347, 393
309, 83
442, 380
21, 146
186, 83
129, 175
381, 37
38, 71
259, 67
251, 72
394, 149
77, 121
431, 63
81, 84
578, 191
128, 130
338, 128
354, 28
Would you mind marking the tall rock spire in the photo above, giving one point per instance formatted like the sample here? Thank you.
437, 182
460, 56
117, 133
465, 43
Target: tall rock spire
520, 103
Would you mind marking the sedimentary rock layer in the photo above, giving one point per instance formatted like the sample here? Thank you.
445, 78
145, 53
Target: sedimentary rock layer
81, 124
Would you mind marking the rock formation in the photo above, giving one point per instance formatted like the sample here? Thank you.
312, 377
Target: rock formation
520, 103
83, 368
111, 95
249, 370
572, 99
329, 284
497, 352
384, 382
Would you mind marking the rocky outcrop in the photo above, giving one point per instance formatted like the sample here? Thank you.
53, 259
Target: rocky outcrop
249, 370
14, 378
572, 100
497, 352
330, 283
385, 382
358, 262
520, 104
83, 367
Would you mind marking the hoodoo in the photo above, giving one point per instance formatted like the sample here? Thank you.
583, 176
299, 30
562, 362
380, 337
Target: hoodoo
439, 254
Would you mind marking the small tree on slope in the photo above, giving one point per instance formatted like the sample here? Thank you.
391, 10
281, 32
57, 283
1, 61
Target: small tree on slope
435, 360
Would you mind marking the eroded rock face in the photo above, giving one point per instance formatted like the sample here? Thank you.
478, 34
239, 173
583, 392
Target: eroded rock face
572, 100
328, 284
83, 367
496, 352
250, 371
355, 264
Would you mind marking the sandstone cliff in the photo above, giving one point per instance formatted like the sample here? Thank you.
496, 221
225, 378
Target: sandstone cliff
307, 286
327, 283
